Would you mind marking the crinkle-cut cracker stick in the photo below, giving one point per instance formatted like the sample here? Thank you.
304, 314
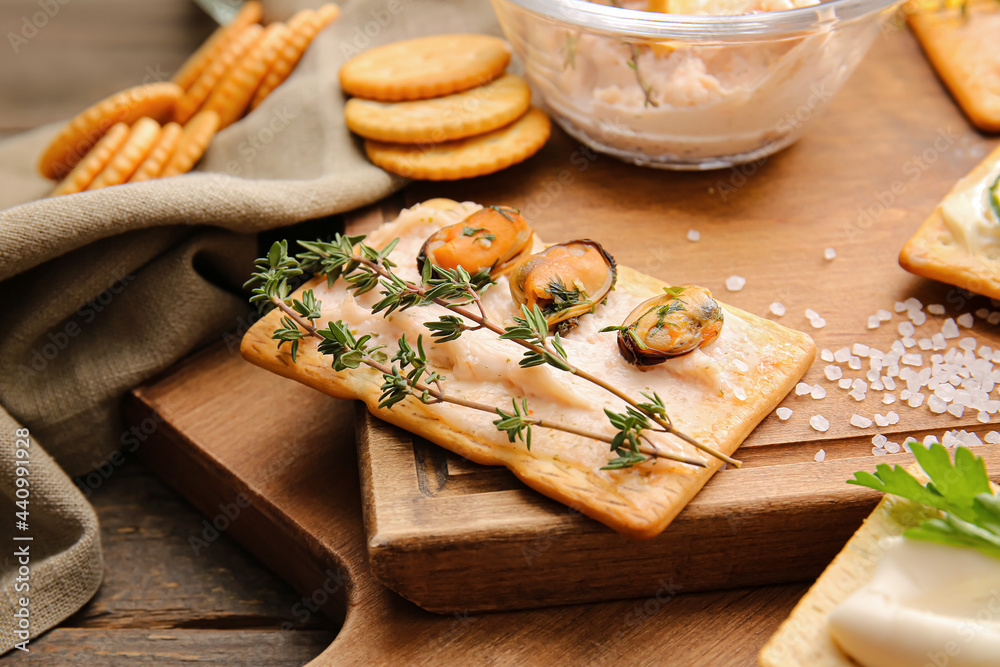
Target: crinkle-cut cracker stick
233, 94
141, 140
151, 167
155, 100
215, 72
303, 27
87, 169
217, 42
197, 136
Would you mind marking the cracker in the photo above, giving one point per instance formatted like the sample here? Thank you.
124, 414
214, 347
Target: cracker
465, 158
141, 140
233, 94
191, 146
638, 502
934, 253
94, 162
303, 28
155, 100
425, 67
249, 14
445, 118
964, 50
243, 40
151, 167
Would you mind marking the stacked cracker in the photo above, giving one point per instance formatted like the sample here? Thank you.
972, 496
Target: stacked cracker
121, 139
442, 108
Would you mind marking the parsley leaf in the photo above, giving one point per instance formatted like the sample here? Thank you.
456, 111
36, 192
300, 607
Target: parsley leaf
961, 489
994, 195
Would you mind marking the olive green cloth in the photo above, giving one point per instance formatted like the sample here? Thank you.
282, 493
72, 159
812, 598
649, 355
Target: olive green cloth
101, 290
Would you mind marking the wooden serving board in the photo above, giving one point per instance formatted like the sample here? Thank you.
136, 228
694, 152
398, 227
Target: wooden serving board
453, 536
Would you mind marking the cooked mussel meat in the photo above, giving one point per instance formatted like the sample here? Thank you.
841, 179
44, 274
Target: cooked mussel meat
565, 281
682, 319
492, 239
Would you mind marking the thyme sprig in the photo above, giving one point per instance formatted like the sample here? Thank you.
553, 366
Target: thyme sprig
364, 267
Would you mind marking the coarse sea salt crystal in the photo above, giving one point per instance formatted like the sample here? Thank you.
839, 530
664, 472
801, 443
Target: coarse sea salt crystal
826, 355
889, 383
842, 355
877, 385
860, 422
892, 417
931, 440
818, 392
884, 315
935, 309
857, 395
735, 283
909, 342
914, 359
878, 451
881, 420
992, 438
740, 393
819, 423
983, 313
694, 235
879, 440
811, 314
854, 363
936, 405
874, 322
778, 308
918, 317
956, 410
983, 417
833, 372
994, 317
860, 350
802, 388
913, 303
829, 254
783, 413
845, 383
817, 323
925, 343
966, 320
916, 400
892, 447
905, 395
741, 365
820, 456
899, 307
949, 329
906, 329
968, 343
888, 399
950, 440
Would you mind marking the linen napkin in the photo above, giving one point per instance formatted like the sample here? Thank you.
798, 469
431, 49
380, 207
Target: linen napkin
101, 290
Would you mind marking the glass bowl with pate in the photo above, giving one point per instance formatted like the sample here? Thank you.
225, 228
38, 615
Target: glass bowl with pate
689, 84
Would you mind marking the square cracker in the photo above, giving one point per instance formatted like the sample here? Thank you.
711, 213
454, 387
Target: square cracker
638, 502
934, 253
965, 52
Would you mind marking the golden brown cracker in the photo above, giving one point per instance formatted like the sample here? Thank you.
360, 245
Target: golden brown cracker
303, 28
243, 40
249, 14
440, 119
151, 167
141, 140
155, 100
963, 48
191, 146
233, 94
87, 169
933, 252
425, 67
465, 158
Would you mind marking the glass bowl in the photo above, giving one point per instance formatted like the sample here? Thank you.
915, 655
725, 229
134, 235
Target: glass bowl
683, 91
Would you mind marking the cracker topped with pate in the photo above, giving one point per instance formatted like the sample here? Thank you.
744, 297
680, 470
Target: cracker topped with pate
598, 386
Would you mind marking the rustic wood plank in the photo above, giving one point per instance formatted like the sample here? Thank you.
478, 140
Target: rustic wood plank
121, 648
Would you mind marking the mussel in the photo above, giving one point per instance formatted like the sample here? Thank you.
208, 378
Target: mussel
682, 319
492, 239
565, 281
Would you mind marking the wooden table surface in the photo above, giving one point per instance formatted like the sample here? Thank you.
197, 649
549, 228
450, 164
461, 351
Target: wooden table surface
160, 602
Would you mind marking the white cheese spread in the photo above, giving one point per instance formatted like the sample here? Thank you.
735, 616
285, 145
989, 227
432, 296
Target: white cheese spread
970, 217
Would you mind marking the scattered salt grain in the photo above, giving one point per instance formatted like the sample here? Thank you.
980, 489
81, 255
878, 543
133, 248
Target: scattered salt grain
968, 344
817, 323
925, 343
820, 456
783, 413
994, 317
741, 365
829, 254
916, 400
936, 405
992, 438
884, 315
857, 395
860, 422
740, 393
694, 235
735, 283
811, 314
778, 308
892, 417
819, 423
983, 417
983, 313
874, 322
949, 329
914, 359
909, 342
889, 383
918, 317
842, 355
854, 363
878, 451
966, 320
892, 447
906, 329
833, 372
802, 389
913, 303
861, 350
845, 383
818, 392
931, 440
956, 410
899, 307
826, 355
935, 309
889, 399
